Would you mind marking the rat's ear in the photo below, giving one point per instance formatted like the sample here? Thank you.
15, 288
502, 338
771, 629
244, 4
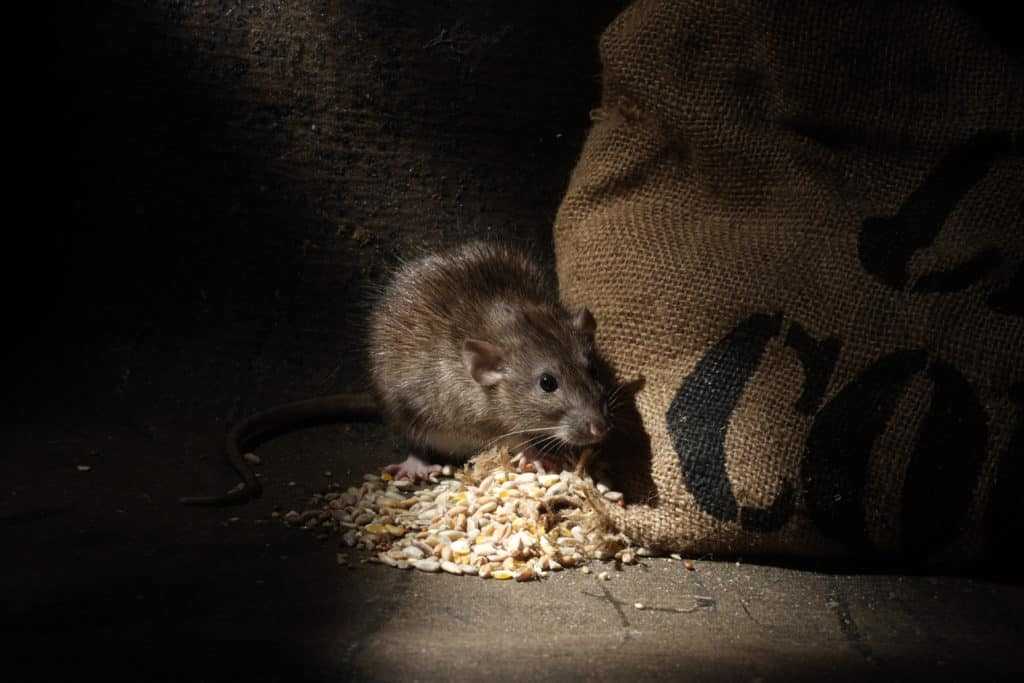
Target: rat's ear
584, 322
484, 362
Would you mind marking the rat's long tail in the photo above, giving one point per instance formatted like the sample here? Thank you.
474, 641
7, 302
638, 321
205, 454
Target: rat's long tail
333, 408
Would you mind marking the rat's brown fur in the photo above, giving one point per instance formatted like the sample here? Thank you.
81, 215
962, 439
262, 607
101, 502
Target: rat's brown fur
494, 294
490, 296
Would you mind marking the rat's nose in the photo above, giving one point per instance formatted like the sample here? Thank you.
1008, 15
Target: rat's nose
598, 429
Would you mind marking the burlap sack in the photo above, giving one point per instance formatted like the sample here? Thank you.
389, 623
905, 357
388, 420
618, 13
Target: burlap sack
801, 223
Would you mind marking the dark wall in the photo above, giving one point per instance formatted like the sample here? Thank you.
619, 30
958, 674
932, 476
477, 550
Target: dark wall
226, 182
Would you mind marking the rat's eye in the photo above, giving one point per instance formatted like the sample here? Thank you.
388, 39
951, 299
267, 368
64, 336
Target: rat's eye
548, 383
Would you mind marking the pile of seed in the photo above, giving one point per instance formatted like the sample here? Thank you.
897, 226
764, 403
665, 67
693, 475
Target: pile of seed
487, 519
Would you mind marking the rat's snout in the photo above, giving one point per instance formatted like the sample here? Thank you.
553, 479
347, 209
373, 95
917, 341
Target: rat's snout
588, 428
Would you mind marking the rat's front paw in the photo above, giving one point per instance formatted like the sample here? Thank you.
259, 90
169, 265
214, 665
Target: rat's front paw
413, 469
541, 462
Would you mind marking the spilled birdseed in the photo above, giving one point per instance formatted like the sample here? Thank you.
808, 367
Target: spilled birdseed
489, 518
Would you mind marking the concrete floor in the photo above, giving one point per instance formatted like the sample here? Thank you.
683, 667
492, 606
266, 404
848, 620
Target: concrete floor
205, 253
108, 578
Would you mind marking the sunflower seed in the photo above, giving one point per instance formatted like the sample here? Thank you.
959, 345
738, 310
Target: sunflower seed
548, 480
502, 524
557, 489
426, 565
413, 552
451, 568
526, 574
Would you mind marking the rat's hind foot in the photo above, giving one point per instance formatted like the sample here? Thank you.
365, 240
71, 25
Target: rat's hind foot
412, 468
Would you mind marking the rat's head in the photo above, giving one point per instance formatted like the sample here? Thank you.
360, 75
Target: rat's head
537, 371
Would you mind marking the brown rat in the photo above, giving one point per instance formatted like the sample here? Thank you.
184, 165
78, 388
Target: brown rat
467, 348
472, 348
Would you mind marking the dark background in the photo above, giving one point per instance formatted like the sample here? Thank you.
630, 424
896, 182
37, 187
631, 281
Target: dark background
211, 190
206, 194
229, 179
